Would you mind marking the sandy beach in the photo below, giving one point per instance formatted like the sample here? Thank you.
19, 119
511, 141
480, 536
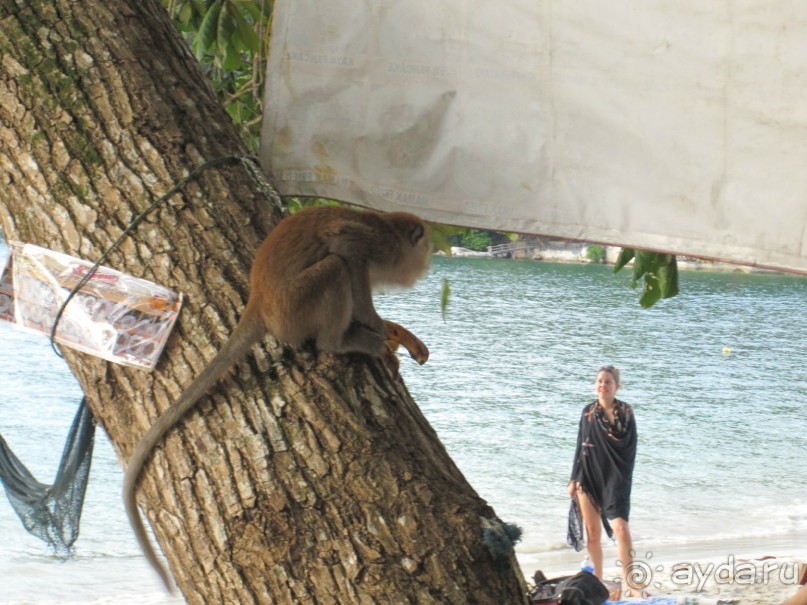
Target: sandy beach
742, 581
745, 571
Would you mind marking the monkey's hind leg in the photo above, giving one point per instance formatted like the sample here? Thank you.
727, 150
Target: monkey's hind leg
343, 289
321, 302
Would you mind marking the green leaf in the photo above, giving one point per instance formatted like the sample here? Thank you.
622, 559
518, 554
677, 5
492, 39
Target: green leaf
245, 33
185, 13
668, 275
444, 298
625, 256
224, 32
232, 58
660, 272
252, 9
651, 292
643, 262
208, 29
440, 234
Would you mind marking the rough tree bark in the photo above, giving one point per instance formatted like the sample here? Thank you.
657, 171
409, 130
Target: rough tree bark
303, 477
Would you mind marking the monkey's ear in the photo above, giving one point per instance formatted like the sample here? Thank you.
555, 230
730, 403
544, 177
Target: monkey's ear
416, 233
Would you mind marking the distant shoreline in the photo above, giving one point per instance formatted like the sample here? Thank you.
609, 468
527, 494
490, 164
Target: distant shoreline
576, 254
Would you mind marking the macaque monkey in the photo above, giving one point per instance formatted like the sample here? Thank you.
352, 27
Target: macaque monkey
311, 281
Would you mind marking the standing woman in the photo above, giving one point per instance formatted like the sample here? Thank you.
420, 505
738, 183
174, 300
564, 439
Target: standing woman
602, 473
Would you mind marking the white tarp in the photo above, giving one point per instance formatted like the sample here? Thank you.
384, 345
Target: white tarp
674, 126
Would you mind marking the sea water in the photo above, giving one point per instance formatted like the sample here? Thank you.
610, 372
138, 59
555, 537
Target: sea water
716, 377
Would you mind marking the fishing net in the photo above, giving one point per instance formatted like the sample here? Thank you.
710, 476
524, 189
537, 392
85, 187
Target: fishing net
52, 512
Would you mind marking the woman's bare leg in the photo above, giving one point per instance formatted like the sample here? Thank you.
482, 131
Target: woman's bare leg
624, 549
593, 523
800, 598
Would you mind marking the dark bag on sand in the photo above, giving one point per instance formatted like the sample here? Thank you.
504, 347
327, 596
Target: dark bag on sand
583, 588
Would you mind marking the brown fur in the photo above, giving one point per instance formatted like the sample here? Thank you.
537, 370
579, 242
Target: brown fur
311, 280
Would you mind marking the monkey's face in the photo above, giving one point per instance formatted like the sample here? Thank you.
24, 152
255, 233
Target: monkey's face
410, 248
415, 262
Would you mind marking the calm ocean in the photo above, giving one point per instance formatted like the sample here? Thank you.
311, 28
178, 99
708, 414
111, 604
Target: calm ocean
722, 436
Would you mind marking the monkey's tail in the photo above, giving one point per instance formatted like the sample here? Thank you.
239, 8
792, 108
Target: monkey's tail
249, 331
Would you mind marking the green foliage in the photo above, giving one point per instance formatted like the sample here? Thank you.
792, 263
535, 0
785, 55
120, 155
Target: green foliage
471, 239
295, 204
660, 273
476, 240
230, 39
595, 253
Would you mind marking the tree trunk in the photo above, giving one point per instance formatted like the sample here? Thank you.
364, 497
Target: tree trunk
303, 477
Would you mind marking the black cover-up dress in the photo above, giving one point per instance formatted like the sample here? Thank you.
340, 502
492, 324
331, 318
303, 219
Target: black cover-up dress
604, 459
